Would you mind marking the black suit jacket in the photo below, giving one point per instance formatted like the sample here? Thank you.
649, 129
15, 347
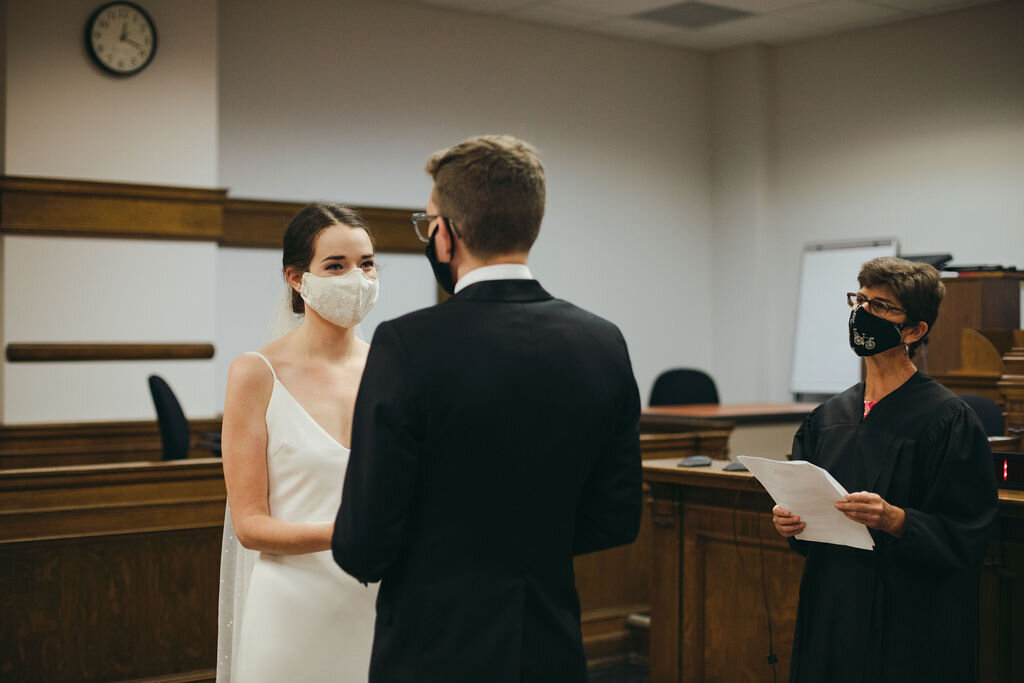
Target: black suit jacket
495, 436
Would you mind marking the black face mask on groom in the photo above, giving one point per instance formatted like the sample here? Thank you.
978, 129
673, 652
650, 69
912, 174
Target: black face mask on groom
442, 271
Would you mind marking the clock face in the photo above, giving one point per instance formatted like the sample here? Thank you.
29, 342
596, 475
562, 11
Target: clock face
121, 38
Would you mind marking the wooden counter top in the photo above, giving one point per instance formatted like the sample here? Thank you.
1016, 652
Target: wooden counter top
739, 413
667, 471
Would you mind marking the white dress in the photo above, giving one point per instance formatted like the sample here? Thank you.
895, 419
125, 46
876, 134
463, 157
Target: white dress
294, 617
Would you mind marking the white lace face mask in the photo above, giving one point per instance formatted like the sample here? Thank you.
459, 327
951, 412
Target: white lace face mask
343, 299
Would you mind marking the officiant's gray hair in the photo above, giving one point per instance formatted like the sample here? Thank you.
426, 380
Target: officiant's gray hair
303, 231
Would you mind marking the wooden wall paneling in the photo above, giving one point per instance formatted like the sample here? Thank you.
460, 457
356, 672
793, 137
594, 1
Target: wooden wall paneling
1001, 597
983, 384
722, 580
262, 224
109, 608
198, 676
1011, 390
651, 423
65, 502
615, 583
392, 229
712, 529
712, 442
706, 595
88, 443
87, 208
110, 572
666, 585
974, 302
256, 223
48, 352
55, 206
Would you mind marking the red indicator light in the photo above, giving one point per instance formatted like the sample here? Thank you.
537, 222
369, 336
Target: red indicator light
1004, 469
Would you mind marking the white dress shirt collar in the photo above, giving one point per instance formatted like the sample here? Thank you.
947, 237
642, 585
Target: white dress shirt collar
499, 271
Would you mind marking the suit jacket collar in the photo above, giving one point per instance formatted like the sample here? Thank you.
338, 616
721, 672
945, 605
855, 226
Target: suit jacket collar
519, 291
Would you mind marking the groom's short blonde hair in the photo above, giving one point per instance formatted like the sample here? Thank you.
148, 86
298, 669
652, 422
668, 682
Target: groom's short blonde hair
492, 187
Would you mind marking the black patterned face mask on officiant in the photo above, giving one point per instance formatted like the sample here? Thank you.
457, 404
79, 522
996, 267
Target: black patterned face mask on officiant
870, 334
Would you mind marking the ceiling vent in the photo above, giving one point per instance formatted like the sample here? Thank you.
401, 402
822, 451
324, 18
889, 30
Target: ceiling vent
692, 15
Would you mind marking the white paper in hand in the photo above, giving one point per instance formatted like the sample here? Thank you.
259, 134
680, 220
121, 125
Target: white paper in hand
809, 492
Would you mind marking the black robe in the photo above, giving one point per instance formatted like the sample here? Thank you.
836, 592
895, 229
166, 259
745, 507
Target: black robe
908, 610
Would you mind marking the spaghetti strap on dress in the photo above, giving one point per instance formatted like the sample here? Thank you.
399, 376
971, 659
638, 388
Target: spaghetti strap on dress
303, 618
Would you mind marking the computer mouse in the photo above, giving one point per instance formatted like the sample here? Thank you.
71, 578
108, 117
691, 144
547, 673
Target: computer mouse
695, 461
735, 466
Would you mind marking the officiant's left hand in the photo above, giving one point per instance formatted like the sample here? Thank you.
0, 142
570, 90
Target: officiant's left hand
871, 510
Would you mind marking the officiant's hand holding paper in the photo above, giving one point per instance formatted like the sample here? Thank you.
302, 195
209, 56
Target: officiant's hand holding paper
786, 523
871, 510
811, 492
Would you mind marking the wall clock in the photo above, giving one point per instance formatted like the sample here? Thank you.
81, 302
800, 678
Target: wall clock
121, 38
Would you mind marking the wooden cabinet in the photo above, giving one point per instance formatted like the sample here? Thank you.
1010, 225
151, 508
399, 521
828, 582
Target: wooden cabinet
721, 577
980, 303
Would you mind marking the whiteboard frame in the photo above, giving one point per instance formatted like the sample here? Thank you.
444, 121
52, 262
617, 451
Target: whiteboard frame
885, 246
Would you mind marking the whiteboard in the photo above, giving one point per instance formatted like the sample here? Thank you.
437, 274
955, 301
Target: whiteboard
822, 360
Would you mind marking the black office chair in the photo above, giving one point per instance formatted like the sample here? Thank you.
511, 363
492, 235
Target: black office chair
683, 386
174, 430
988, 411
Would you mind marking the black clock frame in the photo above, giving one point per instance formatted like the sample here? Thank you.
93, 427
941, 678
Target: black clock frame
92, 53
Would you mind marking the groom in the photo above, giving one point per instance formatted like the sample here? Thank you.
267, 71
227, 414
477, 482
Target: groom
494, 438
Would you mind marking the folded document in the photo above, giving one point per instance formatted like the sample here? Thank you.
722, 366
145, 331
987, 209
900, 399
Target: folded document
809, 492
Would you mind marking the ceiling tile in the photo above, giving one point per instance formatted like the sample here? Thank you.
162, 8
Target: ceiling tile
617, 8
927, 6
768, 29
692, 14
630, 28
839, 14
480, 6
554, 15
763, 6
699, 40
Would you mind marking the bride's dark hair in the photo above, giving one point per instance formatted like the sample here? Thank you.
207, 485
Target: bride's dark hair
300, 237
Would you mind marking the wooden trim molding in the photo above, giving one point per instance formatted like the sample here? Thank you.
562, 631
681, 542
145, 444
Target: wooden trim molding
85, 208
45, 353
90, 443
91, 500
256, 223
259, 223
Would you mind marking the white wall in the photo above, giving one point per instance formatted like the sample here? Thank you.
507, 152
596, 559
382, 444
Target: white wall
85, 290
64, 117
741, 101
3, 86
67, 118
913, 130
354, 96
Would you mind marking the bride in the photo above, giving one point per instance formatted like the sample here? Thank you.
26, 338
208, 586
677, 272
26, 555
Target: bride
287, 612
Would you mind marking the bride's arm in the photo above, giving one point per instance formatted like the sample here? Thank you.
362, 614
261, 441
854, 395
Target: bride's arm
244, 447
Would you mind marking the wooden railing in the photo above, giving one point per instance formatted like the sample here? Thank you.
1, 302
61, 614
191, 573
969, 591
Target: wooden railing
88, 443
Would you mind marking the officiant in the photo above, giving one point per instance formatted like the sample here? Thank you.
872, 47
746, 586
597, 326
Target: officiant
918, 465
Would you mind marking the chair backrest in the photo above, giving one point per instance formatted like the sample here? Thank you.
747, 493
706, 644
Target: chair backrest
683, 386
988, 411
174, 431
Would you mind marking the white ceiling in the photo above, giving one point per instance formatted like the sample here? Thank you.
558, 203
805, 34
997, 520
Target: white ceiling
772, 22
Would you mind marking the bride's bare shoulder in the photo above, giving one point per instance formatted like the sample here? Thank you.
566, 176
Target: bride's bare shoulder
249, 372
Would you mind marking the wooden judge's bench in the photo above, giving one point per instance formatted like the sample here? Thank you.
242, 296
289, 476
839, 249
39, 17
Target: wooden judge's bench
725, 585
